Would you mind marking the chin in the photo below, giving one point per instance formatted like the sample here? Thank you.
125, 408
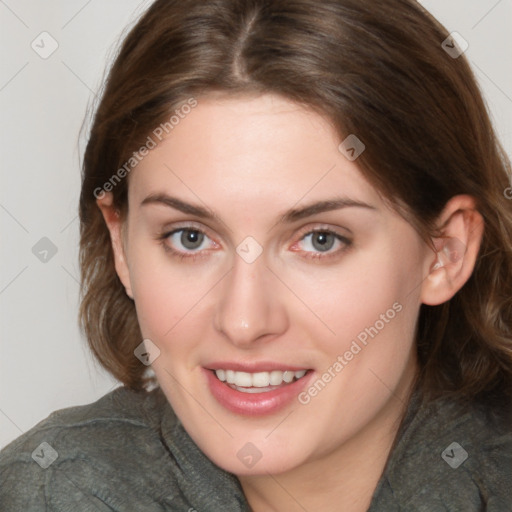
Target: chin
253, 458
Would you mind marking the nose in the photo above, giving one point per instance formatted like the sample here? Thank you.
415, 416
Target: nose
250, 309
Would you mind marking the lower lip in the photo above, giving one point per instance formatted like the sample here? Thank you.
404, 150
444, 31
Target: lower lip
255, 404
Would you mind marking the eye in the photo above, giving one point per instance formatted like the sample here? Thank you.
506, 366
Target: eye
189, 239
321, 241
186, 242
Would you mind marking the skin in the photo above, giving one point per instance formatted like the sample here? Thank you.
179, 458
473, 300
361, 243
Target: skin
249, 160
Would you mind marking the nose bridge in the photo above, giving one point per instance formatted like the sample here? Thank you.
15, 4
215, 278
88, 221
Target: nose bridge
249, 307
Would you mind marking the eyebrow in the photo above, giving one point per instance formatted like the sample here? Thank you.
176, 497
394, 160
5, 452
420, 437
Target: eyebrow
290, 216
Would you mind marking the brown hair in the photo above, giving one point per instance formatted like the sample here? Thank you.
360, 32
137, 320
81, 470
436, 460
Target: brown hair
375, 69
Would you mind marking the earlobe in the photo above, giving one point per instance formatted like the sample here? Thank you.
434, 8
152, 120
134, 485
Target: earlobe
114, 224
456, 250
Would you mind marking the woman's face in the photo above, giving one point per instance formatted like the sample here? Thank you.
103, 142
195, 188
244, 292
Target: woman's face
255, 247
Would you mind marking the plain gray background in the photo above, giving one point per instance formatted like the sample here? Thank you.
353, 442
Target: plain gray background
44, 362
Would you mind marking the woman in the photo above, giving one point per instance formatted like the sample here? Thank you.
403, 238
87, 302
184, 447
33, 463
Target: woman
296, 254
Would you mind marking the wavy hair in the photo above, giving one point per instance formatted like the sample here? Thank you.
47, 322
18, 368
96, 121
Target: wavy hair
375, 69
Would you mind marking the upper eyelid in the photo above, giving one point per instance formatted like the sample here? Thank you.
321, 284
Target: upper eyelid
187, 226
305, 231
322, 228
314, 231
192, 226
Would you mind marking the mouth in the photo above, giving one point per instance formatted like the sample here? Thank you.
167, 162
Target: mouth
266, 391
258, 382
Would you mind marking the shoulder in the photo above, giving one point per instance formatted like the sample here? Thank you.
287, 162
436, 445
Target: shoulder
72, 453
451, 456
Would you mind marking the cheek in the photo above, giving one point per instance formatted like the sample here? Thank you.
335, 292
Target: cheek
372, 311
170, 298
367, 292
162, 304
374, 318
159, 294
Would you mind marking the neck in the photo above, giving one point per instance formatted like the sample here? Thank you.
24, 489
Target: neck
344, 479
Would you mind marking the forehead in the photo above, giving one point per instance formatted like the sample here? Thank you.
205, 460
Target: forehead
249, 150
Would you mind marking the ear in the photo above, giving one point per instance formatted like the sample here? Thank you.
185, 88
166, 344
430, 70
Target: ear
115, 226
460, 228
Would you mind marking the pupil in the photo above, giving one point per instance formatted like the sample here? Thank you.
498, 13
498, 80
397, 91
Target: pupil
191, 239
323, 241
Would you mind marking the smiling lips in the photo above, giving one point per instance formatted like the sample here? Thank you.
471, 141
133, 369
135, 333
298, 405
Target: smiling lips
256, 393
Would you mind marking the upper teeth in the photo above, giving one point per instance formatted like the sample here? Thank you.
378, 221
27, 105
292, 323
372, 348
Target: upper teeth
260, 379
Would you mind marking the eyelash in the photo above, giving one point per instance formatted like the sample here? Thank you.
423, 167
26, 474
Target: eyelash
324, 255
193, 256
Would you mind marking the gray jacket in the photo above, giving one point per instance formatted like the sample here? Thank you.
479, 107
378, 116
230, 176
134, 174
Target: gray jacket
128, 452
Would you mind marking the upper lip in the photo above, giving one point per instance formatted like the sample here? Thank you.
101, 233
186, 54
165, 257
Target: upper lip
254, 367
